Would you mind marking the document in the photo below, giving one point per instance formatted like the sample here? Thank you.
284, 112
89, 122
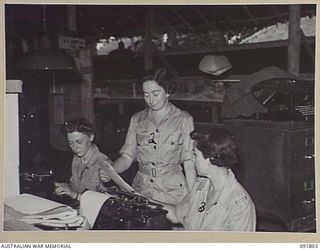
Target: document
91, 203
31, 204
40, 211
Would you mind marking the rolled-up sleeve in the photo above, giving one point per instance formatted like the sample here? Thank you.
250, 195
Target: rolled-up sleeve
187, 128
130, 145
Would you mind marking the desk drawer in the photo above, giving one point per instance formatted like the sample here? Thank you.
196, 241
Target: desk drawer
302, 196
301, 152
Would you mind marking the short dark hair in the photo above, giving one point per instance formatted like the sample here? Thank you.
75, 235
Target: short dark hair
162, 77
80, 124
217, 145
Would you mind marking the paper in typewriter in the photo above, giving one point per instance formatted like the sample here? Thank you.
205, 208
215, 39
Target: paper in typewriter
91, 203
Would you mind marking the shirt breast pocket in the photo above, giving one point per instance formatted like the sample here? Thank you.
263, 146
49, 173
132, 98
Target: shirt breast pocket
173, 144
174, 139
142, 140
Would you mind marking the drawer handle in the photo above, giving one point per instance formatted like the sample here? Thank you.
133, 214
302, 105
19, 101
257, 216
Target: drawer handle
308, 201
308, 156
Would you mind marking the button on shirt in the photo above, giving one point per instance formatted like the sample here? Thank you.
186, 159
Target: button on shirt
160, 148
233, 210
85, 170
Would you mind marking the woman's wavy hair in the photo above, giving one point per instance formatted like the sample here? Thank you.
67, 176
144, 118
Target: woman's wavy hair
162, 77
80, 124
217, 145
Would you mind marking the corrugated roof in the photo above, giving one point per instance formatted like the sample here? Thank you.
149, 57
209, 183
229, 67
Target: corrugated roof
280, 31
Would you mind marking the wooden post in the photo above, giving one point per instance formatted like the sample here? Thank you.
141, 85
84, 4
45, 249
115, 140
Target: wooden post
214, 113
148, 64
72, 18
87, 84
294, 40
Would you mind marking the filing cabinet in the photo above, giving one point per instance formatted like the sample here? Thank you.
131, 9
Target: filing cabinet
277, 169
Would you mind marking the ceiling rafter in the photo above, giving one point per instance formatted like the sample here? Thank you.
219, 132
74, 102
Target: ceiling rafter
228, 18
204, 19
279, 14
134, 20
164, 20
127, 21
184, 21
252, 18
120, 25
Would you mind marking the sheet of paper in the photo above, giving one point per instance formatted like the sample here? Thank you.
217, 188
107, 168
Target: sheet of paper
115, 176
31, 204
90, 205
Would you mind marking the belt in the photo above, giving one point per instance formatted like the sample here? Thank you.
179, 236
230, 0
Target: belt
158, 171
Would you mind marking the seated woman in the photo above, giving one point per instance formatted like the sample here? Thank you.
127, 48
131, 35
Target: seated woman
87, 160
217, 202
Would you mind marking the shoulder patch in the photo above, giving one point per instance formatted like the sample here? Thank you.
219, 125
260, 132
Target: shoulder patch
202, 184
241, 199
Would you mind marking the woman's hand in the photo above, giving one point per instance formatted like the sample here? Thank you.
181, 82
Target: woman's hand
104, 177
62, 189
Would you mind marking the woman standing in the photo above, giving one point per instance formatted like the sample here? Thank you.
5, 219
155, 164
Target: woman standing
158, 138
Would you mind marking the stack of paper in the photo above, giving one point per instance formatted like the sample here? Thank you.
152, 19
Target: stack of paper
40, 211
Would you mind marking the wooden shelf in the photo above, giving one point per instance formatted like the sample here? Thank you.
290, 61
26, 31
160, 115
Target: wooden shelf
122, 99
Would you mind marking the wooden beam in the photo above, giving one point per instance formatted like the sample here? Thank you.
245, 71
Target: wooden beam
86, 69
252, 18
294, 40
309, 50
72, 18
184, 21
165, 27
164, 20
204, 19
164, 60
119, 24
228, 18
134, 20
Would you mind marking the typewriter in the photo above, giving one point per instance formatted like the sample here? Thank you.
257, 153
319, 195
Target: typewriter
123, 211
270, 94
129, 211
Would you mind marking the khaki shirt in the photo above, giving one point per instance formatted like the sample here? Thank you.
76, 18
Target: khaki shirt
160, 149
85, 170
233, 210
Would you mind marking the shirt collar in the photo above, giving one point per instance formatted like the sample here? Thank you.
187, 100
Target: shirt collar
88, 156
173, 112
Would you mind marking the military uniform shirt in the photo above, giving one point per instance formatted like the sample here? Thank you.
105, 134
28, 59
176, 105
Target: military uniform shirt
160, 149
85, 170
233, 210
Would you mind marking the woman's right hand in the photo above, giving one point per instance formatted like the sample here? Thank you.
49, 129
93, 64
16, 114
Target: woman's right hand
62, 189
